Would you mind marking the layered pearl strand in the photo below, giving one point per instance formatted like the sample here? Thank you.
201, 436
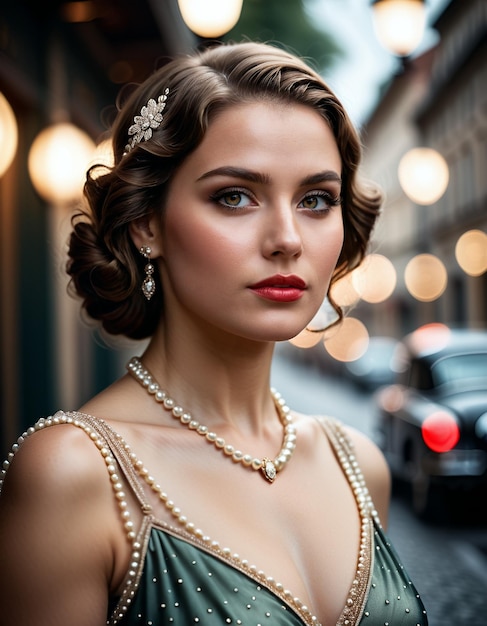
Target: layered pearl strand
268, 467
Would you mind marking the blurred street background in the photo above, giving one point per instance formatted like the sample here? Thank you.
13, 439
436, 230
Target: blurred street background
414, 84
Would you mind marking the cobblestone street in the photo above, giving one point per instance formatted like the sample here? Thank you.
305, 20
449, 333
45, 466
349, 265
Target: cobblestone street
449, 571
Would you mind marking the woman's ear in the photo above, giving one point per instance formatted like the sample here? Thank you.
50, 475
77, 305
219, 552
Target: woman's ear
146, 232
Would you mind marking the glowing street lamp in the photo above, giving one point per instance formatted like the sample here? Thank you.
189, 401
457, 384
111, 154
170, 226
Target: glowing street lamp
212, 18
399, 24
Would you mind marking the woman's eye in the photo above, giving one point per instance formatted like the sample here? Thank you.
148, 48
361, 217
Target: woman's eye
232, 198
319, 202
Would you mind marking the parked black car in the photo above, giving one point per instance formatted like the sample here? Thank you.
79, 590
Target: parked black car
432, 424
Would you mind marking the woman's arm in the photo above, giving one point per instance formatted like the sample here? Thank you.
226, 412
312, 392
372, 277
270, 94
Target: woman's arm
57, 519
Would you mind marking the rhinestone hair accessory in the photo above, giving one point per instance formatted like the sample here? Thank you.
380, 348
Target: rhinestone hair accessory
150, 119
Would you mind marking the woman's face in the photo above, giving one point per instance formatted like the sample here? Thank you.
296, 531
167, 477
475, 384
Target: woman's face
252, 228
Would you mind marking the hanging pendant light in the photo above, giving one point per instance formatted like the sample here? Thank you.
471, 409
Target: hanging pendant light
399, 24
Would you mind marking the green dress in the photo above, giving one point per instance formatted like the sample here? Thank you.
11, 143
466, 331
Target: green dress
178, 578
181, 584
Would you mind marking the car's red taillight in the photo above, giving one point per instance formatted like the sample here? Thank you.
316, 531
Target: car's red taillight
440, 431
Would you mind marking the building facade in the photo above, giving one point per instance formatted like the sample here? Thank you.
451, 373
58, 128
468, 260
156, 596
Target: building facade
437, 100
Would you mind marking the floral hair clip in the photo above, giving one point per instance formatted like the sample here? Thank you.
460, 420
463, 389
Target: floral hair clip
150, 119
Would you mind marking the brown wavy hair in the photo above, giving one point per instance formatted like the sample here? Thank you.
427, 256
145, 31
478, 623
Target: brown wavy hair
105, 268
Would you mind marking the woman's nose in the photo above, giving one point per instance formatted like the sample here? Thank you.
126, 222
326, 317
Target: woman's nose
283, 236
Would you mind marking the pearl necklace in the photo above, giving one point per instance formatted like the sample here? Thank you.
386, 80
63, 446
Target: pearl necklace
269, 467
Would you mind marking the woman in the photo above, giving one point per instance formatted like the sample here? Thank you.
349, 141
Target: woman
194, 495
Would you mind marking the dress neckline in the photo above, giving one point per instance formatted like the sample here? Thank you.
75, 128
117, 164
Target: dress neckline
138, 474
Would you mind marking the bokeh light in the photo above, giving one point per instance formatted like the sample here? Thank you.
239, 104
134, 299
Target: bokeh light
375, 278
315, 330
430, 337
391, 398
423, 174
8, 134
344, 293
440, 431
58, 159
212, 18
306, 339
425, 277
399, 24
349, 341
102, 156
471, 252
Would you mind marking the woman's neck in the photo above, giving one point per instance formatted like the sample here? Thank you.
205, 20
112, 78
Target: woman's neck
227, 381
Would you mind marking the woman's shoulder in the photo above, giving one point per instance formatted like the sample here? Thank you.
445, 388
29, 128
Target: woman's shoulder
355, 440
352, 440
53, 459
368, 456
57, 519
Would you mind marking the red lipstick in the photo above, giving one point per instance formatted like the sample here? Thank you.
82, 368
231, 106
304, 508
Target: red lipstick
280, 288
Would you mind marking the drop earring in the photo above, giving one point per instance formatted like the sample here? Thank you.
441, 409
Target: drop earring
148, 284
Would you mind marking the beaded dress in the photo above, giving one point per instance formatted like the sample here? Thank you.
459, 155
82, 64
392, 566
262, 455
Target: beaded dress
179, 577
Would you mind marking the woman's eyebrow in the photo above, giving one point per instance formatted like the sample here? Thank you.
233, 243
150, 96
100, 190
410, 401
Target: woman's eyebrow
257, 177
236, 172
322, 177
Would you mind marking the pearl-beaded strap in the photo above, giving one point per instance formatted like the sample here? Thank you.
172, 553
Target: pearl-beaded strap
344, 451
105, 440
111, 464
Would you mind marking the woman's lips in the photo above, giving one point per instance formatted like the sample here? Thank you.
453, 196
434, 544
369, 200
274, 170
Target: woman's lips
280, 288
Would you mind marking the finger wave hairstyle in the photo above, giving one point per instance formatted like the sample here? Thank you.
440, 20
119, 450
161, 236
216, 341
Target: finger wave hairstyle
105, 269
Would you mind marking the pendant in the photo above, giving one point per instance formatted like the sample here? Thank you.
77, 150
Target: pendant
269, 470
149, 284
